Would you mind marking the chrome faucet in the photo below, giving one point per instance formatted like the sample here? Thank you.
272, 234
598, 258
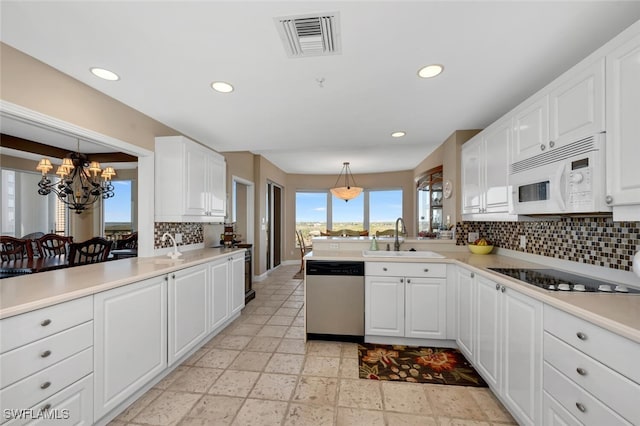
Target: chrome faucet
175, 254
396, 243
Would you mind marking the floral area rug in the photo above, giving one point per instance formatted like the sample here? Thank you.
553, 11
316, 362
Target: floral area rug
416, 364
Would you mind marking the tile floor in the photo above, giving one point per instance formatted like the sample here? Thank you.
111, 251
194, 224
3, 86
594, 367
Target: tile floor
259, 371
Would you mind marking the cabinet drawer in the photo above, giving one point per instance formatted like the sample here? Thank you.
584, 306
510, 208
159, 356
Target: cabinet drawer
25, 360
389, 269
71, 406
26, 328
581, 404
47, 382
615, 351
616, 391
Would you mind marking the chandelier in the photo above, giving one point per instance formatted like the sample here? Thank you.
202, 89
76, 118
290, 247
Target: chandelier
82, 182
346, 192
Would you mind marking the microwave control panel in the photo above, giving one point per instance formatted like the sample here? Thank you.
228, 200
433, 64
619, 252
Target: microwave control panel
580, 187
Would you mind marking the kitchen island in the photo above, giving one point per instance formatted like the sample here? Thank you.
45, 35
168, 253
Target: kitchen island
92, 339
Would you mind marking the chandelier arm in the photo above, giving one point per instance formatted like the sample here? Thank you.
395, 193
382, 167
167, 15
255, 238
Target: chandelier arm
340, 175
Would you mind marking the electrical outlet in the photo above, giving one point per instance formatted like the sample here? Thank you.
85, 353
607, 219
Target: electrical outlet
334, 246
178, 237
473, 236
523, 241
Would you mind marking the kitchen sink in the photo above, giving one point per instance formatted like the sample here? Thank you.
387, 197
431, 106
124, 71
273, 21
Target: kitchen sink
418, 254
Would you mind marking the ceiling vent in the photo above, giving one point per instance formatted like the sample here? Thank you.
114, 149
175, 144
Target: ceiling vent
310, 35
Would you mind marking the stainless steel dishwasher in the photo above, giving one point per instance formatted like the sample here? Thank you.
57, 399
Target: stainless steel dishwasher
335, 300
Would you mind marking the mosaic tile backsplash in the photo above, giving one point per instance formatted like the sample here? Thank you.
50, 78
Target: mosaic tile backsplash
192, 233
594, 240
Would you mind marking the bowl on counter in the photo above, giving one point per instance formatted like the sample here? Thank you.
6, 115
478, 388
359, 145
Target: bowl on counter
476, 249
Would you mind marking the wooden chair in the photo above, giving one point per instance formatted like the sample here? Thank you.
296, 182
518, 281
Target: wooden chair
303, 249
387, 233
15, 248
33, 237
53, 245
127, 242
94, 250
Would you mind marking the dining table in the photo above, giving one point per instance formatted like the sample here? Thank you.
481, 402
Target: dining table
29, 265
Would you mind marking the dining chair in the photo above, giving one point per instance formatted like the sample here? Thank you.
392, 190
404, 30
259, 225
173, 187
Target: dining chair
94, 250
303, 248
14, 248
127, 242
53, 245
33, 237
386, 233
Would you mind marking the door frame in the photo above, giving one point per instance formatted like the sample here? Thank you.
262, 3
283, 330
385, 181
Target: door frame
250, 225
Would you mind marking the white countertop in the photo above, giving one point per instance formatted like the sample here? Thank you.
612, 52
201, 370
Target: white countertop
34, 291
619, 313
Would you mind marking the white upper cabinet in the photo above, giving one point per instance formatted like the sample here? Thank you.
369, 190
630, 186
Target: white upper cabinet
190, 181
576, 105
485, 163
623, 128
530, 129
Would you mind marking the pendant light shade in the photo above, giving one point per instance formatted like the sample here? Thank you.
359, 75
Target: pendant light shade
348, 191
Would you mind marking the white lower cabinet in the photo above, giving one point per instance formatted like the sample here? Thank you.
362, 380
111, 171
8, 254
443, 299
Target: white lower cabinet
465, 309
236, 278
188, 310
219, 293
500, 332
130, 346
590, 372
412, 306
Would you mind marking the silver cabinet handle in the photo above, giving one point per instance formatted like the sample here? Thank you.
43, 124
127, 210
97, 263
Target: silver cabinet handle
497, 286
45, 322
408, 281
384, 269
401, 280
173, 276
45, 354
581, 371
580, 406
503, 289
542, 147
46, 407
45, 385
608, 199
581, 335
426, 270
472, 274
552, 144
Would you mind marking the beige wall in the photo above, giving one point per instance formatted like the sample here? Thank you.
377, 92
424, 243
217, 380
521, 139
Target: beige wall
447, 155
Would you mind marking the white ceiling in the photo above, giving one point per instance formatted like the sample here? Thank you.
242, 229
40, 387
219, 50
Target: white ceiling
495, 54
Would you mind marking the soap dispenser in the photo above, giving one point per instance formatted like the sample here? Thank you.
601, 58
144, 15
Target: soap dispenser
374, 244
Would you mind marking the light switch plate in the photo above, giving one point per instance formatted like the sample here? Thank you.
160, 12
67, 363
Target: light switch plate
473, 236
523, 241
178, 237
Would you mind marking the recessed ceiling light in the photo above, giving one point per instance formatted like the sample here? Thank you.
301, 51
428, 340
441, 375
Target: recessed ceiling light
222, 87
398, 134
105, 74
430, 70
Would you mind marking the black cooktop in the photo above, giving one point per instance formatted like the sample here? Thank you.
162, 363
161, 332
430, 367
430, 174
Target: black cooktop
554, 280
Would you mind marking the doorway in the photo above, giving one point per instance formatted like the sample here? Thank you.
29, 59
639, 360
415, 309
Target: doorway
274, 225
242, 208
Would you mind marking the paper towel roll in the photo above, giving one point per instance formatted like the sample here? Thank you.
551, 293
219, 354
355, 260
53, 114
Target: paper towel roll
636, 263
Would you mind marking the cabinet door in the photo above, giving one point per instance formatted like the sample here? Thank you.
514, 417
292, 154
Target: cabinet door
623, 125
217, 189
522, 345
530, 130
384, 306
496, 170
237, 283
472, 176
219, 293
130, 346
426, 308
576, 106
465, 312
76, 400
555, 414
187, 310
488, 320
195, 190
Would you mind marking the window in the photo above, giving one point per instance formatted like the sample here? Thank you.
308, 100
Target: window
311, 214
385, 206
118, 211
374, 210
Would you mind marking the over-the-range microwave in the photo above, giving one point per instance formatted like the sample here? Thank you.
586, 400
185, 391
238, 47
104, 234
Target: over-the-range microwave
567, 179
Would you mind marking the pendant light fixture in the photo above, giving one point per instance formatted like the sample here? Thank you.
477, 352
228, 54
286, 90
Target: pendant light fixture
346, 192
82, 182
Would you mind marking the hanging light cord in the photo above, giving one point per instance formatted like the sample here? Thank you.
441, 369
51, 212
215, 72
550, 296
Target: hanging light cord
347, 171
